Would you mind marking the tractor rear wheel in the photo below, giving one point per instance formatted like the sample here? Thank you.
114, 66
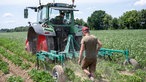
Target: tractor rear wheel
50, 43
58, 73
32, 40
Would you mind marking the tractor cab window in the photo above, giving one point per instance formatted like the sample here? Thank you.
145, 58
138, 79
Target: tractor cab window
60, 17
42, 14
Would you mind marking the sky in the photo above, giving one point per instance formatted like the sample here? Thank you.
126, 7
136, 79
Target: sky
12, 11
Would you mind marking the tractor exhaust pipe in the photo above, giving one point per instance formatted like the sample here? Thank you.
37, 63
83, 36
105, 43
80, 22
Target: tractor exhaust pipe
73, 2
39, 2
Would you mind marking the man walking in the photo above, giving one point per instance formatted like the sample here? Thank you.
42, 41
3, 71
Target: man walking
91, 45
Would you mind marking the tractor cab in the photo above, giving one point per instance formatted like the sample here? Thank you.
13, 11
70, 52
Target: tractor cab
51, 12
61, 17
55, 21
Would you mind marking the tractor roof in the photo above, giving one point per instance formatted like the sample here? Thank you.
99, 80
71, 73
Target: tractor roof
62, 8
58, 6
64, 5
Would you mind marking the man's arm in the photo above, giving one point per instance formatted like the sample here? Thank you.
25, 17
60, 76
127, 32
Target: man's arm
99, 45
81, 53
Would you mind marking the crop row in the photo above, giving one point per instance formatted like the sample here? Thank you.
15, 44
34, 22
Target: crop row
119, 73
132, 40
15, 79
16, 47
4, 67
40, 76
44, 76
14, 59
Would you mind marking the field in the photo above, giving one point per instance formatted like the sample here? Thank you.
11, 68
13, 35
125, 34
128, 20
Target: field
19, 66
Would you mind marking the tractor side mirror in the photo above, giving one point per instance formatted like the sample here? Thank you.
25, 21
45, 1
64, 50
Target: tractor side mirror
35, 10
26, 13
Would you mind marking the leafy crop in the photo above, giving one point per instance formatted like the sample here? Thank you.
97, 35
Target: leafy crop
141, 73
17, 60
110, 71
15, 79
4, 67
40, 76
72, 77
16, 47
70, 73
133, 40
131, 78
25, 66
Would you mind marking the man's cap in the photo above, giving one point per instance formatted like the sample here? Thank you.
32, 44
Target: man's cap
85, 28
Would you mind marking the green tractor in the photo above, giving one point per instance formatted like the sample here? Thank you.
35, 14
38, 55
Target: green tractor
51, 31
54, 36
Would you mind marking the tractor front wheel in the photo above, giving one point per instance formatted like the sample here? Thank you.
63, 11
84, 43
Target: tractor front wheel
58, 73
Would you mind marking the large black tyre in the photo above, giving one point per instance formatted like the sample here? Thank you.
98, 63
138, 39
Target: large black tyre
58, 73
50, 43
32, 39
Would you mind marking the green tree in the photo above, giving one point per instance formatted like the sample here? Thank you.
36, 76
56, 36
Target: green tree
107, 21
143, 19
96, 20
130, 20
115, 23
80, 22
99, 20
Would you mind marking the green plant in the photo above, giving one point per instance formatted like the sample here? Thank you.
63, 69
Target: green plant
141, 73
25, 66
4, 67
15, 79
70, 74
40, 76
132, 78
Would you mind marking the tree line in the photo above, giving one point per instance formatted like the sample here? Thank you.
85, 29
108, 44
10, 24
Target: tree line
100, 20
16, 29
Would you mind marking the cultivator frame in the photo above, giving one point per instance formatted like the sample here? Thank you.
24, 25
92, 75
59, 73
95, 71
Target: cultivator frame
109, 52
70, 52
